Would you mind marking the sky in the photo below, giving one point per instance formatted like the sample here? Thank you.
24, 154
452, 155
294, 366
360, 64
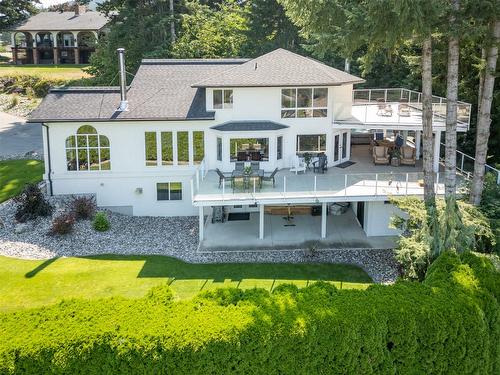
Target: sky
46, 3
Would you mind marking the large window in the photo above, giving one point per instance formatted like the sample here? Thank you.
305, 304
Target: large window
311, 143
159, 148
223, 99
279, 148
304, 102
249, 149
219, 149
169, 191
198, 147
87, 151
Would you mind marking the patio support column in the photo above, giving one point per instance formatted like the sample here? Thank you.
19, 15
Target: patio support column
201, 223
405, 136
417, 144
261, 222
323, 220
437, 147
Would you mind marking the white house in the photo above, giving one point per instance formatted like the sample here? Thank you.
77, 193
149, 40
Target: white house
154, 148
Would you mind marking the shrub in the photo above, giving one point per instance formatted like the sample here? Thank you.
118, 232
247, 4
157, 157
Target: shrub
14, 101
82, 207
63, 224
31, 204
101, 222
470, 230
446, 325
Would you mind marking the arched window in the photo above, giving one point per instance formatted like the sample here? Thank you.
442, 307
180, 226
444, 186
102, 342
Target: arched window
87, 151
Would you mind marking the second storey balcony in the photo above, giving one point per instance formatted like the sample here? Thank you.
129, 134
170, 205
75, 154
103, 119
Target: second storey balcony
361, 180
398, 108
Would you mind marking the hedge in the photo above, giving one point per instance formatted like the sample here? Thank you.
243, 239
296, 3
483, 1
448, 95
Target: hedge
447, 324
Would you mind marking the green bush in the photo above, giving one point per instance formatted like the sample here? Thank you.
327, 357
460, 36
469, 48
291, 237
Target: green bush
448, 324
101, 222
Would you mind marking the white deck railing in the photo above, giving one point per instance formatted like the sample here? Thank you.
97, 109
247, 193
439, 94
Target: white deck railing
465, 164
289, 188
403, 107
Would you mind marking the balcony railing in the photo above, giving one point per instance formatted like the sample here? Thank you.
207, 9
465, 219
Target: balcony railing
401, 106
297, 188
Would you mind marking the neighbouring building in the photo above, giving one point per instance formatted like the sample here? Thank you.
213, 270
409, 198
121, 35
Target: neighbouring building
57, 37
282, 140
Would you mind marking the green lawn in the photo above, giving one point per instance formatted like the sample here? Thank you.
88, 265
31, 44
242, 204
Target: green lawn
14, 174
46, 71
32, 283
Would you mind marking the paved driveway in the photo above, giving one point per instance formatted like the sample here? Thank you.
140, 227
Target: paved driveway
17, 137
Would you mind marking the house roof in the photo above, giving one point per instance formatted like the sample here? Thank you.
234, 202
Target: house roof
249, 126
277, 69
56, 21
161, 90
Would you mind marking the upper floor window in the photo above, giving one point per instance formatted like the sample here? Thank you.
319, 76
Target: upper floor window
223, 99
304, 102
173, 148
87, 151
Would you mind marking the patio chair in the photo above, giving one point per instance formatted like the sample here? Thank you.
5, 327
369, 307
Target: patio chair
404, 110
255, 156
242, 156
380, 155
238, 183
298, 165
408, 155
239, 166
255, 165
222, 177
320, 165
271, 177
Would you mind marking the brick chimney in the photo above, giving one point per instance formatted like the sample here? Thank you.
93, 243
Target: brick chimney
80, 9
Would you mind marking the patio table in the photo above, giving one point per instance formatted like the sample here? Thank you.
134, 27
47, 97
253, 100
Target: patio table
259, 173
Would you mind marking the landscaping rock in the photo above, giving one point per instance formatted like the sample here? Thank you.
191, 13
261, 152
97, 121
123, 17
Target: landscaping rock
172, 236
20, 228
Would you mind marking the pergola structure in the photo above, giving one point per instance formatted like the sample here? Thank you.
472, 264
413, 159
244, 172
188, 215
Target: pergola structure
57, 37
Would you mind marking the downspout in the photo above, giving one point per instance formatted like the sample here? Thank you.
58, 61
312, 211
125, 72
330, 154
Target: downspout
49, 172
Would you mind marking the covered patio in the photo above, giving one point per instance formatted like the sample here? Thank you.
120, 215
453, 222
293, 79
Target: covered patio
303, 231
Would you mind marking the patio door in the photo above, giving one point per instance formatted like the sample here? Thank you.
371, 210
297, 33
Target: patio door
340, 147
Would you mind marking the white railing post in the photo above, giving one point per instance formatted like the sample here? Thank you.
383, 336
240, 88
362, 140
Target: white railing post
437, 182
385, 95
406, 193
345, 184
315, 185
376, 183
192, 190
223, 187
369, 95
462, 163
284, 184
254, 185
197, 179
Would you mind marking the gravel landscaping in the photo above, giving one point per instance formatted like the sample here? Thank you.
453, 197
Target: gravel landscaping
172, 236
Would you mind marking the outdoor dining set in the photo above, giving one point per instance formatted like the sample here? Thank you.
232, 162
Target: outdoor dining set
247, 177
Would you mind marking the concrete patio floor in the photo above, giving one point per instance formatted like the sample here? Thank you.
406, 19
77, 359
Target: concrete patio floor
343, 232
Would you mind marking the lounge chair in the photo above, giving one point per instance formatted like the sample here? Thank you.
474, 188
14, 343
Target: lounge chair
320, 165
222, 176
408, 155
404, 110
298, 165
380, 155
271, 177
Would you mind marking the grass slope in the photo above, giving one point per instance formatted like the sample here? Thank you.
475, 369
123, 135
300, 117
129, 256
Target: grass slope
46, 71
14, 174
33, 283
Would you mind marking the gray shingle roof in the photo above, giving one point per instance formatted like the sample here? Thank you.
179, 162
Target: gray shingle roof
277, 69
161, 90
249, 126
55, 21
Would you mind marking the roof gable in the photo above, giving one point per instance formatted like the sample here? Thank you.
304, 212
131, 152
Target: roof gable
277, 69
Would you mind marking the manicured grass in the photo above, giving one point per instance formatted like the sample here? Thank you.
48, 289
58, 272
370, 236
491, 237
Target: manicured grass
32, 283
46, 71
14, 174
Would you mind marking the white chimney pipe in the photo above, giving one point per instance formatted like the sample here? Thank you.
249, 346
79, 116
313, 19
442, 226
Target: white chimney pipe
123, 80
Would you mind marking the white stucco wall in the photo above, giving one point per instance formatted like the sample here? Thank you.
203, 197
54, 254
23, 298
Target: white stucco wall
118, 186
378, 217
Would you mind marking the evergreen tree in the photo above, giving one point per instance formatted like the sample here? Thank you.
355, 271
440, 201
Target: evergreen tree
14, 11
